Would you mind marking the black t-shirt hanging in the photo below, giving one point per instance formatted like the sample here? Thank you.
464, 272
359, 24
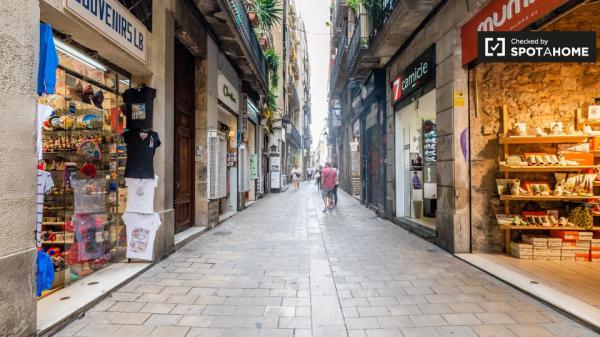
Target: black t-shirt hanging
139, 103
140, 153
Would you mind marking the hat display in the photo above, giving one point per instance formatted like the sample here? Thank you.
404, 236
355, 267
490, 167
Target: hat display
98, 98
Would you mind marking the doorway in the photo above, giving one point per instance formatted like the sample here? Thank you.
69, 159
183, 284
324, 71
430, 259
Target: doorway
185, 109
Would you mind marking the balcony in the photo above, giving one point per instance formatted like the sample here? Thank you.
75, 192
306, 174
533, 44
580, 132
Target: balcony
336, 77
338, 16
229, 20
394, 22
360, 59
293, 136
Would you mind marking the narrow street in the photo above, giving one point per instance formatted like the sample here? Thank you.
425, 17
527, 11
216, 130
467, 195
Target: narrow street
283, 268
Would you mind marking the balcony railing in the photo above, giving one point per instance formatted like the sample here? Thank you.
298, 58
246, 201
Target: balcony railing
341, 49
242, 23
359, 40
294, 135
380, 15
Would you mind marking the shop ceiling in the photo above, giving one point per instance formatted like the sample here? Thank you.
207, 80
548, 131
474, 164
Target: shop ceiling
141, 9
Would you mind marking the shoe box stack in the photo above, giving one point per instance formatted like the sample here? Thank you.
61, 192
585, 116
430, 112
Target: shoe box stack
559, 246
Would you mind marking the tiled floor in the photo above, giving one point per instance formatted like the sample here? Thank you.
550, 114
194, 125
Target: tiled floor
283, 268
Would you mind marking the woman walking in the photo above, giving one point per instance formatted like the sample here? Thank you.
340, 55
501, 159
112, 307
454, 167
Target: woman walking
296, 174
318, 178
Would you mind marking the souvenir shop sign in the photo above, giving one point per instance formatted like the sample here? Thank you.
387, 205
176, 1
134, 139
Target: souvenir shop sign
417, 74
503, 15
537, 46
115, 22
228, 95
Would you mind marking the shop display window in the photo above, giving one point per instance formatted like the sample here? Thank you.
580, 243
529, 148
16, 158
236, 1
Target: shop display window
83, 154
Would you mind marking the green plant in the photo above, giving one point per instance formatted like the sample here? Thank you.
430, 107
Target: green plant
354, 4
272, 59
269, 12
272, 102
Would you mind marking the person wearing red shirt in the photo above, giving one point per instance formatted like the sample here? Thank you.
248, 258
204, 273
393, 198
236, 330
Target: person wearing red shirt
328, 180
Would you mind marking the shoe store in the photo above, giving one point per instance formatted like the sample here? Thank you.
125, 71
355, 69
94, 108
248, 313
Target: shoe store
535, 156
414, 99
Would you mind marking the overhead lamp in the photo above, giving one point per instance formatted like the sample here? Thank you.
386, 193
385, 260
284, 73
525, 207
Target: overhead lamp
74, 53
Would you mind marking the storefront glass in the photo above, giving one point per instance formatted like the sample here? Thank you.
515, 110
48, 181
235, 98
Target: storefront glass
416, 155
81, 165
228, 126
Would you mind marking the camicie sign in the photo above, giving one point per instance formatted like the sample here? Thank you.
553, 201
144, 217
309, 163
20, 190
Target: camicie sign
114, 21
504, 16
421, 71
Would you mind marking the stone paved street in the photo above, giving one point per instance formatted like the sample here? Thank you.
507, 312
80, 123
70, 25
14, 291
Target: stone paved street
281, 268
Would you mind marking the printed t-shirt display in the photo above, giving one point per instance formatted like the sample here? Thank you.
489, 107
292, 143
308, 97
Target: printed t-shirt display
43, 112
141, 231
139, 104
141, 147
140, 195
44, 185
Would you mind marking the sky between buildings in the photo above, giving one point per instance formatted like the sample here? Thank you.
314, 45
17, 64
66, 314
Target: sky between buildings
316, 15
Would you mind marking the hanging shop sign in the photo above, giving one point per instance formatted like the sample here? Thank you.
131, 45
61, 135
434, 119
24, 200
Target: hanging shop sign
537, 46
503, 15
252, 112
244, 121
253, 167
417, 74
115, 22
228, 95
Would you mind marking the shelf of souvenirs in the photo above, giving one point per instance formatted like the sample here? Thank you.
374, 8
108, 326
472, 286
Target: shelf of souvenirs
86, 130
548, 197
550, 168
546, 228
548, 139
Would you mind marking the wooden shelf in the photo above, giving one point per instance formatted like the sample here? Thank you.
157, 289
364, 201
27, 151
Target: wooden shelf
543, 139
554, 168
53, 223
545, 198
511, 227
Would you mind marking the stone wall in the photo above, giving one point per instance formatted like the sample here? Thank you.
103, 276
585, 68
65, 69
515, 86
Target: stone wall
535, 93
453, 213
19, 41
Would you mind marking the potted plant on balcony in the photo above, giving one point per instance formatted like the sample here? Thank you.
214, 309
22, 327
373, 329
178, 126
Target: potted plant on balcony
272, 59
268, 12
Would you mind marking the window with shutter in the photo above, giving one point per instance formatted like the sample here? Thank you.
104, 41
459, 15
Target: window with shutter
217, 165
222, 167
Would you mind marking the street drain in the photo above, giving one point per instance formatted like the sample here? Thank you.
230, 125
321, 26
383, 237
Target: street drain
65, 298
222, 233
92, 283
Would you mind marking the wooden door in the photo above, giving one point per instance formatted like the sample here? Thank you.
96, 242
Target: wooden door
184, 138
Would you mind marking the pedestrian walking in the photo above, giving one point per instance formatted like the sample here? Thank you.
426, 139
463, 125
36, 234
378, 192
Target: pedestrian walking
328, 177
318, 178
335, 188
296, 174
309, 173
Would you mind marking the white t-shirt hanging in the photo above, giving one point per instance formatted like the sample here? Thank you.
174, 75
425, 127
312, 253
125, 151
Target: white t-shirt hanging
44, 185
43, 112
140, 195
141, 232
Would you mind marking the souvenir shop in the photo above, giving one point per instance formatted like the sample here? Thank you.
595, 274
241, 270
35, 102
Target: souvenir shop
414, 97
535, 164
95, 148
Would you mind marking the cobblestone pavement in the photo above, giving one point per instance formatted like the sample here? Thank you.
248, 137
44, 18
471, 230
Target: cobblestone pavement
282, 268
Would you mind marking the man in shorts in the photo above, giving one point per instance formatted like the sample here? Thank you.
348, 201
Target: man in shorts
328, 179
